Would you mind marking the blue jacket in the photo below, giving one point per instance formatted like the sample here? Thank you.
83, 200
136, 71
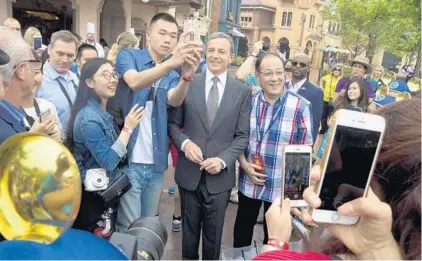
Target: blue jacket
96, 143
315, 96
9, 126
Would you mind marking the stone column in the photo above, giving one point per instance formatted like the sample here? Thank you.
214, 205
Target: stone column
127, 7
87, 11
5, 9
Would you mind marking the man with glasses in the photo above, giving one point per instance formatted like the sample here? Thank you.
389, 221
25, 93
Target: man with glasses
13, 24
300, 85
59, 84
18, 79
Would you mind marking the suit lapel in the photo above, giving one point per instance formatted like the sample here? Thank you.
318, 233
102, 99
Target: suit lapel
303, 88
225, 104
198, 90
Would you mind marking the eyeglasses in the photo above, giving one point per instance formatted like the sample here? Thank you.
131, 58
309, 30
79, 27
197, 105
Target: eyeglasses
303, 65
108, 75
36, 64
336, 69
268, 75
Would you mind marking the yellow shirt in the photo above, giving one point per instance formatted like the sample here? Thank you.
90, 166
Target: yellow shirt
330, 84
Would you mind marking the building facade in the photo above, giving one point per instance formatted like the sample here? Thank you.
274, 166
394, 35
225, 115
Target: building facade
111, 17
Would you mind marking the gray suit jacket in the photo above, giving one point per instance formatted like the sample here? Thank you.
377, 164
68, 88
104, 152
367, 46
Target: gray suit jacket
227, 138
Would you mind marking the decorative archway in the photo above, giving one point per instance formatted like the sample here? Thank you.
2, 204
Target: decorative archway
113, 21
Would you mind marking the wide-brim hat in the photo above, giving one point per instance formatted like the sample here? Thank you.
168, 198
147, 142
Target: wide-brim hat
362, 60
4, 58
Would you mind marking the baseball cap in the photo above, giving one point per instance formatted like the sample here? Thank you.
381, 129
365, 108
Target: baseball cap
4, 58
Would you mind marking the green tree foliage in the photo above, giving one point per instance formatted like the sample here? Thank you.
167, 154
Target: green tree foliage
372, 25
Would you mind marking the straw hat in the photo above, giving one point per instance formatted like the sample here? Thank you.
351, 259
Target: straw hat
362, 60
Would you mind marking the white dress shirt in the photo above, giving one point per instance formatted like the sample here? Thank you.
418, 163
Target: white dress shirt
295, 88
221, 84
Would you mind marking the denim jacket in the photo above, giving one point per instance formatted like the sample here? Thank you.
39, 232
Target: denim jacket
140, 60
96, 143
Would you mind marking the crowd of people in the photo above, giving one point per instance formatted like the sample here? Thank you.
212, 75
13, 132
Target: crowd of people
123, 109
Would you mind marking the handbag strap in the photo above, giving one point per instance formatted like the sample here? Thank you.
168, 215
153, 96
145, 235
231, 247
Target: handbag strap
65, 92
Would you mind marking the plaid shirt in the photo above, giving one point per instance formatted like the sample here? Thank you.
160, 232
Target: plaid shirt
292, 125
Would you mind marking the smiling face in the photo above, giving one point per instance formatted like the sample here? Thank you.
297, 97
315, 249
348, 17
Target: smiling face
378, 72
354, 92
218, 55
104, 81
336, 71
271, 76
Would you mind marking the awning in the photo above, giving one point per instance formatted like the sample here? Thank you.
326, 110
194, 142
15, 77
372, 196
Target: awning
314, 36
235, 32
334, 50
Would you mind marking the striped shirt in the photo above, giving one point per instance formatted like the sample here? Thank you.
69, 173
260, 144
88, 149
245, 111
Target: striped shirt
292, 125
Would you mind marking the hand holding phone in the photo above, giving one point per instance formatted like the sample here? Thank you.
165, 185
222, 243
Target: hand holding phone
372, 231
45, 115
349, 159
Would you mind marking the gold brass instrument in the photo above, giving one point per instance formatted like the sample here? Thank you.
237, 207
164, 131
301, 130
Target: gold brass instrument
403, 96
387, 77
414, 84
381, 92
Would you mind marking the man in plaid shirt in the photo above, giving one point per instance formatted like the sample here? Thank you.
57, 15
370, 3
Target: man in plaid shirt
278, 118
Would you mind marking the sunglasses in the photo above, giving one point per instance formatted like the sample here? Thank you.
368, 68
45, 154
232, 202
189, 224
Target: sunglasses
336, 69
303, 65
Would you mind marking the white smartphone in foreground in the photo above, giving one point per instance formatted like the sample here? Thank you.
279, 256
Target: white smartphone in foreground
297, 167
348, 163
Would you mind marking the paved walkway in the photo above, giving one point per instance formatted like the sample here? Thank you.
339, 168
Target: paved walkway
173, 249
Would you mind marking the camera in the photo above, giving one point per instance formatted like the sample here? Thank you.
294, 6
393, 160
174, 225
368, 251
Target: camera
96, 180
145, 239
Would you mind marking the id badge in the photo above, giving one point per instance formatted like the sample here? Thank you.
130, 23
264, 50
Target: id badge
259, 161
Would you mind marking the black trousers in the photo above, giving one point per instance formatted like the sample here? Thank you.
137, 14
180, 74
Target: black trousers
326, 113
247, 213
202, 209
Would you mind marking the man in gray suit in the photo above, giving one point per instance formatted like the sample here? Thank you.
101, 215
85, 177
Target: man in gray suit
215, 121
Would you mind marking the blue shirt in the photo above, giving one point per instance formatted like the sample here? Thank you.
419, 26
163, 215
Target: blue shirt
140, 60
17, 114
96, 143
51, 91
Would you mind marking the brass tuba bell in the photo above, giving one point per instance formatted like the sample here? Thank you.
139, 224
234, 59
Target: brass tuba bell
414, 84
387, 77
381, 92
403, 96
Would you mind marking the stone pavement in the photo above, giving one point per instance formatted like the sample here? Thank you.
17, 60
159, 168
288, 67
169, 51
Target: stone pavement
173, 250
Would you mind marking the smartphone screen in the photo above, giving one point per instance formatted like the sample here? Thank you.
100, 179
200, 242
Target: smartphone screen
37, 42
349, 165
297, 174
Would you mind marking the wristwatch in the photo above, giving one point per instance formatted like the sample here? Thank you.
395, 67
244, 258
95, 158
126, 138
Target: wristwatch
278, 244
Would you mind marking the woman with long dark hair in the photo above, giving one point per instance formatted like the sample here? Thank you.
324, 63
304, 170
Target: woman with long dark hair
92, 136
390, 224
356, 97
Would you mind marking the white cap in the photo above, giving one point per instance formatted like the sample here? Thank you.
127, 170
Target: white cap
90, 28
132, 31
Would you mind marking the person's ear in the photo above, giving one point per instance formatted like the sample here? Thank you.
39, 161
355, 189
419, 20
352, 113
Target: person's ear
90, 83
20, 71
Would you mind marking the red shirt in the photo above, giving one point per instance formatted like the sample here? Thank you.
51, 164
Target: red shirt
291, 255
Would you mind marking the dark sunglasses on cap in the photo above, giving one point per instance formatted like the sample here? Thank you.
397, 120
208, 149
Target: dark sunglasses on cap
303, 65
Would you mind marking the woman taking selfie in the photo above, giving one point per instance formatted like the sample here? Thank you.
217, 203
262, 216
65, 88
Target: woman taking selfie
93, 139
390, 216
